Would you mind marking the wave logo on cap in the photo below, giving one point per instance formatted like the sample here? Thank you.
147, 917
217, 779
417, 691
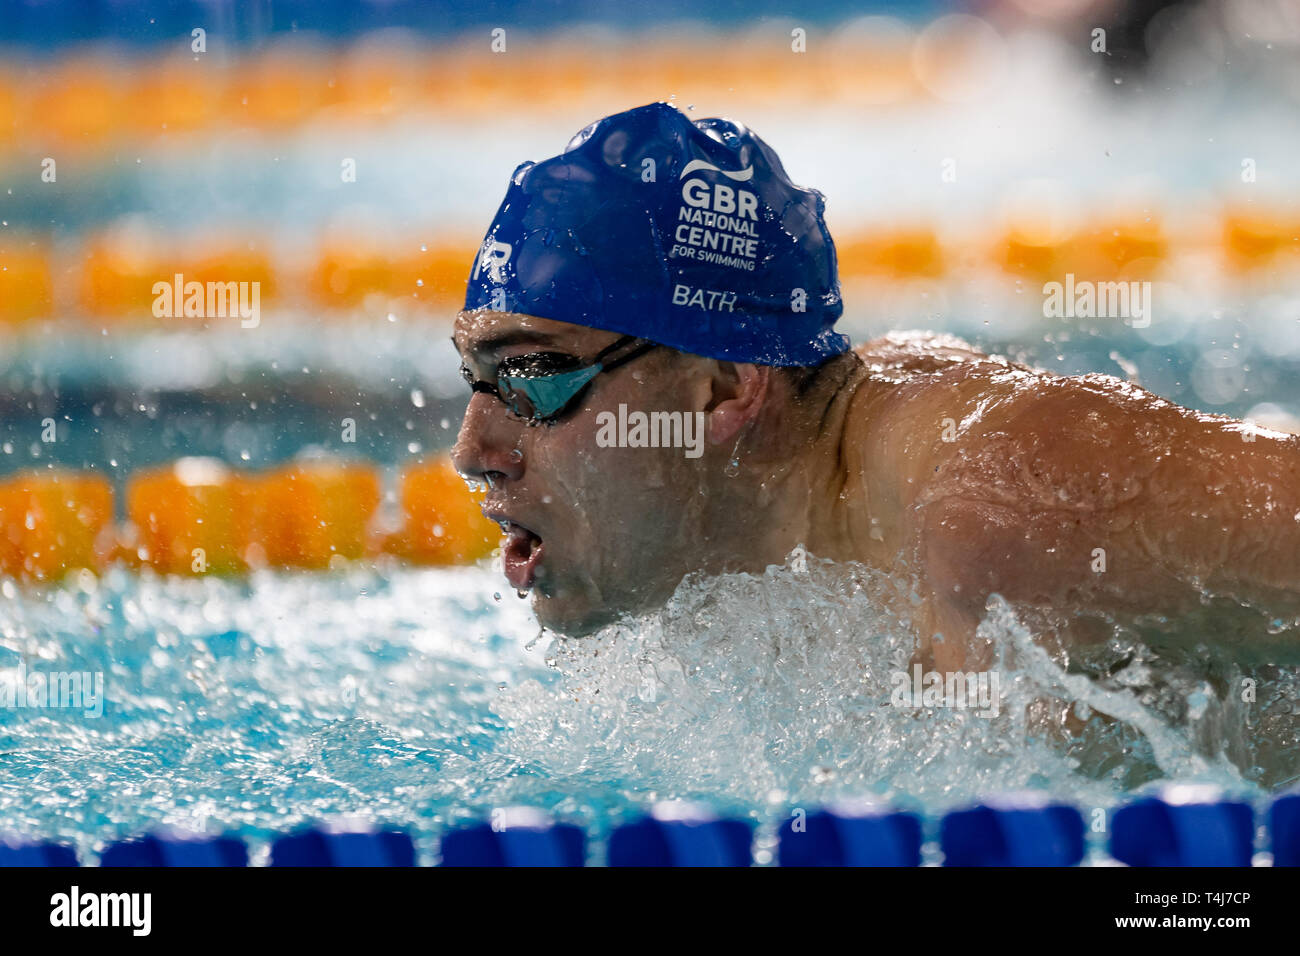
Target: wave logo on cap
719, 254
739, 176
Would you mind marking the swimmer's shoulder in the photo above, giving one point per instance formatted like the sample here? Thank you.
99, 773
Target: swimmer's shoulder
899, 356
909, 376
914, 389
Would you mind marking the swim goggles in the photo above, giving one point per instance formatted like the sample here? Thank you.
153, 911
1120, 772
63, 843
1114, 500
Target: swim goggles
540, 387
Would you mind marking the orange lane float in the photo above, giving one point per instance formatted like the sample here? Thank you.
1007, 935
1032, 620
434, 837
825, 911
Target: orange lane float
177, 95
310, 513
900, 254
52, 522
26, 285
1034, 252
234, 262
118, 271
122, 268
79, 103
1253, 239
347, 272
283, 86
8, 110
97, 97
197, 516
189, 517
443, 522
1129, 248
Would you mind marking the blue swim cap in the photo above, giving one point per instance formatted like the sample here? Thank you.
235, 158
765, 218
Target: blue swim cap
686, 233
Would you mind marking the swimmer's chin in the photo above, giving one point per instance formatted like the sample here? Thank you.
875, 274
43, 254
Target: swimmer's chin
570, 617
578, 615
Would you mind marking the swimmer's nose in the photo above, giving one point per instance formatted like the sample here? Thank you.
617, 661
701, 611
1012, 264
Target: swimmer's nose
487, 445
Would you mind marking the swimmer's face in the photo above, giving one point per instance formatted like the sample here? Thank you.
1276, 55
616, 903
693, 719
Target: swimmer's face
591, 531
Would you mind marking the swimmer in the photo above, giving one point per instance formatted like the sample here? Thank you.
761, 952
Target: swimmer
600, 284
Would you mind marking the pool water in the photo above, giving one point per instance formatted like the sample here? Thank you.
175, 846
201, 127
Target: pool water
428, 697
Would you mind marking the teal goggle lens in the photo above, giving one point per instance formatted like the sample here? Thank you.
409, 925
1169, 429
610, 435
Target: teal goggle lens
541, 386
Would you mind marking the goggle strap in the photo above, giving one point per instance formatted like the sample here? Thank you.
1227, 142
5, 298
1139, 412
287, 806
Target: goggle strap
613, 347
635, 353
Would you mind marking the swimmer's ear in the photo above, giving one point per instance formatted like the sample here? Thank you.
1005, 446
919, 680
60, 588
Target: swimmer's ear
739, 390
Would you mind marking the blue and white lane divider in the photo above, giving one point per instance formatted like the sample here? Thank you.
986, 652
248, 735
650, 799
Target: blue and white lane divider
515, 836
1184, 826
1284, 830
19, 853
682, 834
1014, 830
175, 848
850, 834
1177, 825
344, 845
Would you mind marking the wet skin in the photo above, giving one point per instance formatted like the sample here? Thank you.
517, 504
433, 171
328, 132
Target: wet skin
969, 473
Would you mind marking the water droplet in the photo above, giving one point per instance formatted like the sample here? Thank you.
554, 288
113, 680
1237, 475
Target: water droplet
516, 455
732, 469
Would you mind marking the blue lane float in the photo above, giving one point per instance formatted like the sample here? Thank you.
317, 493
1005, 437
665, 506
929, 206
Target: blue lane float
173, 848
342, 846
850, 834
1284, 830
1183, 825
1024, 829
515, 836
17, 853
681, 834
1177, 825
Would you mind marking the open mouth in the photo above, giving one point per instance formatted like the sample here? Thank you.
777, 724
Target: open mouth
520, 553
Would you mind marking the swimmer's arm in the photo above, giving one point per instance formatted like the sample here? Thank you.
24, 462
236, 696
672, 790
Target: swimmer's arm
1088, 492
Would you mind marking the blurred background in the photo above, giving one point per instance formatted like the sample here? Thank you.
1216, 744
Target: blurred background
349, 156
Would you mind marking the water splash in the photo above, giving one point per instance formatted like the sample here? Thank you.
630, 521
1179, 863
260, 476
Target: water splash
778, 688
418, 698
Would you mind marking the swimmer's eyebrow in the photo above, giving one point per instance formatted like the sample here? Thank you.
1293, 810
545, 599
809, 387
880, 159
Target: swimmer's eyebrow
503, 340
